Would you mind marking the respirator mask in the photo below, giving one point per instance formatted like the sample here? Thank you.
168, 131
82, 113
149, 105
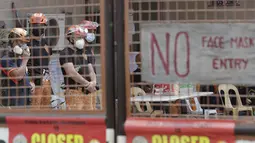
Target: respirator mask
37, 30
90, 37
79, 44
19, 49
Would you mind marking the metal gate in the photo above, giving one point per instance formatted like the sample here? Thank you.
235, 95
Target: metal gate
44, 115
151, 23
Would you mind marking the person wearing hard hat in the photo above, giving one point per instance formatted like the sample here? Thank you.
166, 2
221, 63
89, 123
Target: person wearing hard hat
90, 28
90, 37
38, 64
79, 75
15, 83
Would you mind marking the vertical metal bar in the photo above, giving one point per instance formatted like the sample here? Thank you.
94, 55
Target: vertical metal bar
107, 48
121, 68
127, 50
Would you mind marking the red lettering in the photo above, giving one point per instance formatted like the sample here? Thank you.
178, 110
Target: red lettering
165, 61
215, 63
251, 41
232, 42
238, 63
223, 64
229, 63
203, 40
213, 42
221, 42
242, 42
187, 57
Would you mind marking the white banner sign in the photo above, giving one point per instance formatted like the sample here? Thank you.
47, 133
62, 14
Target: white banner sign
204, 52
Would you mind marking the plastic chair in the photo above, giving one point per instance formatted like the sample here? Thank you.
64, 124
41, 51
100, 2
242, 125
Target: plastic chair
199, 110
228, 105
136, 91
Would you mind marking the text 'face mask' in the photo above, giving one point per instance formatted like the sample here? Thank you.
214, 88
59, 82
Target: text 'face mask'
90, 37
79, 43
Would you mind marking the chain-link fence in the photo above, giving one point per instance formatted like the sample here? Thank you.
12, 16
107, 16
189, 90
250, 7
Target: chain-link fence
156, 25
57, 65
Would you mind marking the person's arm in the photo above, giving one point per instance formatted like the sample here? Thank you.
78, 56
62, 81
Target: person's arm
11, 68
19, 73
71, 72
67, 64
91, 64
48, 49
92, 73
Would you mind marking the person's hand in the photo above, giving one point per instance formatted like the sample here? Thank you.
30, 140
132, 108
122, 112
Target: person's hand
91, 87
94, 83
26, 52
32, 84
46, 75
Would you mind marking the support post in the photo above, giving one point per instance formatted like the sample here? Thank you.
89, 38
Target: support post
107, 49
122, 73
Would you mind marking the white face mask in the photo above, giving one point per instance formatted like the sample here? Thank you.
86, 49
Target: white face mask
79, 43
19, 49
90, 37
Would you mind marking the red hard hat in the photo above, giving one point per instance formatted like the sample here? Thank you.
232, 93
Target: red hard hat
89, 24
76, 30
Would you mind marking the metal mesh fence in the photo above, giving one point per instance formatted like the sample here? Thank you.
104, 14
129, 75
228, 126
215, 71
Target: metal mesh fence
55, 74
62, 14
162, 99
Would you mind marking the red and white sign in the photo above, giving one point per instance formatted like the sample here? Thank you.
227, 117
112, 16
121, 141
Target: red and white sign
141, 130
4, 135
198, 52
172, 89
56, 130
164, 87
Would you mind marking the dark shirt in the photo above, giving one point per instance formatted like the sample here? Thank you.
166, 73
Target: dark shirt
11, 87
80, 61
39, 60
137, 76
91, 56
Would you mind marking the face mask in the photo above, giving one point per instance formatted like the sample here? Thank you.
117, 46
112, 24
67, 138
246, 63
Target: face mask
79, 43
37, 32
18, 49
90, 37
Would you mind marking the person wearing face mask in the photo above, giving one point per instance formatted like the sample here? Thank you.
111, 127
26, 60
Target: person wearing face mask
15, 82
79, 75
90, 28
38, 64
